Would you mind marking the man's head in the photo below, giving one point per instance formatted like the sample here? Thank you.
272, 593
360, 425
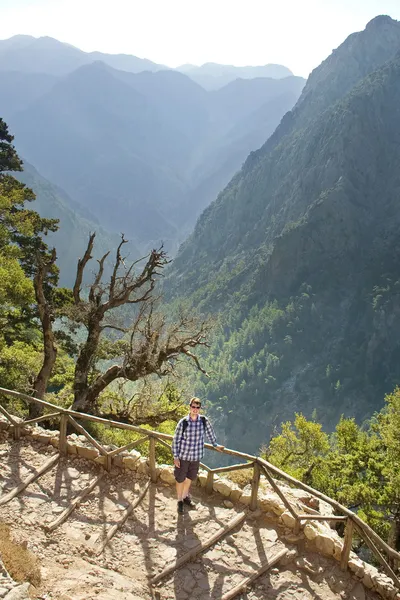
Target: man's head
195, 406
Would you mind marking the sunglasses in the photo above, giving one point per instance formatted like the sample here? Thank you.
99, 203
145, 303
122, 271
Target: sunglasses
195, 406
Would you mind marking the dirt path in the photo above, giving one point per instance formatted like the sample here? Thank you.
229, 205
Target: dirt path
153, 537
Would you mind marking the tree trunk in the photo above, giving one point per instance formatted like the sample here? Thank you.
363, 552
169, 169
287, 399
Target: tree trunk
42, 379
83, 365
49, 345
394, 534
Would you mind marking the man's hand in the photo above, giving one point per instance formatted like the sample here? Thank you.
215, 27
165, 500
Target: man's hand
177, 463
219, 448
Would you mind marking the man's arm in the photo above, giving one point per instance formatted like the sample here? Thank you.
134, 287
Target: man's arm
176, 442
212, 437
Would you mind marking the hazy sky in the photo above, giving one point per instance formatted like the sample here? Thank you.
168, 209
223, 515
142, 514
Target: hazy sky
296, 33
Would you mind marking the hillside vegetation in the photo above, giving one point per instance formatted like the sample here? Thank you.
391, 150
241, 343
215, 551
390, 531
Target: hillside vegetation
299, 254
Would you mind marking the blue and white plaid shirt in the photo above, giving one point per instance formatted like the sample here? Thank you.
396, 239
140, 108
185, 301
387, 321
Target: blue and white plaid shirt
190, 445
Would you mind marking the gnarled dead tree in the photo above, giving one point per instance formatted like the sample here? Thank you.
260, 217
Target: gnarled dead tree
148, 345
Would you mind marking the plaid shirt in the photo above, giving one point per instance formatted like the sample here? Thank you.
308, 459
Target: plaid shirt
190, 445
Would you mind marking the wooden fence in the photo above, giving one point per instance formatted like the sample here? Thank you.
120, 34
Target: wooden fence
353, 523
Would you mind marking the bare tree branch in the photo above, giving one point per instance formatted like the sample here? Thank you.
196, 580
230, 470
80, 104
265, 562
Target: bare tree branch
82, 262
97, 281
154, 348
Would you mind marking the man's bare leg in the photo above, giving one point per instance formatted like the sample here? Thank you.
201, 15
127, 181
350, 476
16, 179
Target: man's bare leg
180, 490
186, 487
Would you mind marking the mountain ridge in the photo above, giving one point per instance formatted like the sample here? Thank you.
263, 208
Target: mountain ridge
293, 254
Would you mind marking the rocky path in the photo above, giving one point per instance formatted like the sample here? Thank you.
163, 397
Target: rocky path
153, 537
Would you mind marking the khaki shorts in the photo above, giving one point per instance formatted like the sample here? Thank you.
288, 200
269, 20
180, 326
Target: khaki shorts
187, 470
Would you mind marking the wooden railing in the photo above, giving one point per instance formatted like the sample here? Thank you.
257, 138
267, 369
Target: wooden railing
353, 523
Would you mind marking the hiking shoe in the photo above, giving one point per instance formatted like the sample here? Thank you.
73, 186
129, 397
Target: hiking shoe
189, 502
180, 507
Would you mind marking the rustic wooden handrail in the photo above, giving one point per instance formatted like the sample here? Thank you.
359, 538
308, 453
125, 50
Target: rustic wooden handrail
259, 465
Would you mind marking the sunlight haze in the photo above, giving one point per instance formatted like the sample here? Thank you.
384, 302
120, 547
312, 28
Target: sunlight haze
296, 34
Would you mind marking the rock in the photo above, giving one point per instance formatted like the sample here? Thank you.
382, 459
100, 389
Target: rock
288, 519
310, 532
245, 497
167, 474
202, 479
292, 538
357, 566
71, 448
223, 487
41, 437
100, 460
271, 503
367, 579
337, 552
228, 504
304, 564
72, 473
142, 467
19, 593
129, 462
88, 453
325, 544
236, 494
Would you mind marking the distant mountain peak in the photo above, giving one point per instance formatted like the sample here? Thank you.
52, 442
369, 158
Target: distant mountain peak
379, 21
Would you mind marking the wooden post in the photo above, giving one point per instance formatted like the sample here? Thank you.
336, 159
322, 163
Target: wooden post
17, 432
348, 538
62, 445
254, 486
108, 464
152, 459
209, 482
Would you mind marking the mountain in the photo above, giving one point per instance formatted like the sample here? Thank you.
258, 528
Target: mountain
213, 76
144, 152
299, 255
18, 90
74, 228
226, 157
28, 54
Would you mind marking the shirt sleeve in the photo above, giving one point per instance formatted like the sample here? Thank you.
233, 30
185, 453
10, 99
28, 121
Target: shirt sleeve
211, 433
176, 442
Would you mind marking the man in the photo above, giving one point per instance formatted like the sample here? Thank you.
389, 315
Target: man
188, 450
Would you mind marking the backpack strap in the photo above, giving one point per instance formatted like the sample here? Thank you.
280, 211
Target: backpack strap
185, 423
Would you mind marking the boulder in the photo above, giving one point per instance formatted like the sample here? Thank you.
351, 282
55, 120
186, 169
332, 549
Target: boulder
55, 440
130, 462
202, 478
142, 467
41, 436
310, 531
245, 497
223, 487
288, 519
325, 544
167, 474
236, 494
357, 566
88, 453
71, 448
